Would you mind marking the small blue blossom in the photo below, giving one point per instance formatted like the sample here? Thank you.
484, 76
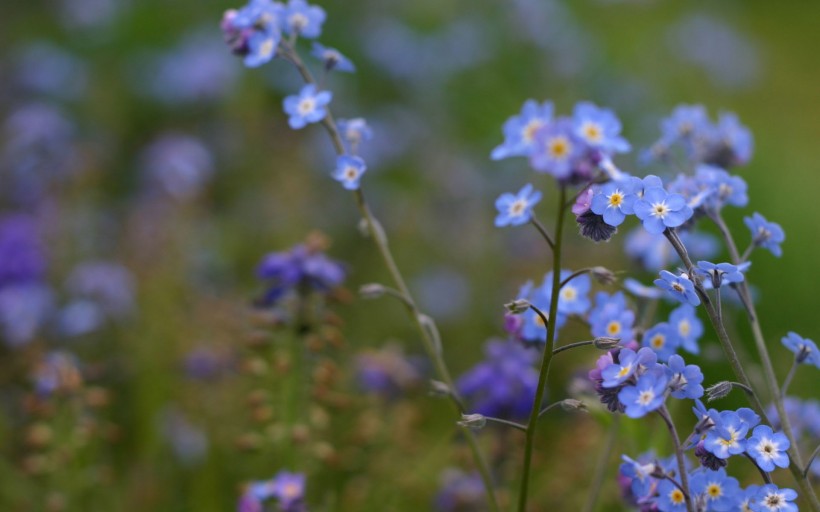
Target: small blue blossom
736, 139
615, 200
659, 210
611, 317
721, 187
533, 329
680, 287
556, 149
768, 235
289, 490
770, 498
639, 475
520, 130
573, 299
307, 107
670, 497
354, 132
747, 498
639, 289
253, 31
728, 437
716, 490
349, 171
57, 371
655, 253
516, 209
303, 19
648, 394
332, 58
805, 350
685, 381
261, 48
460, 491
300, 267
768, 448
684, 123
684, 319
663, 339
720, 273
599, 128
629, 362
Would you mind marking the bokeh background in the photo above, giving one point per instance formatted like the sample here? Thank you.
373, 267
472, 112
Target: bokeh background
133, 143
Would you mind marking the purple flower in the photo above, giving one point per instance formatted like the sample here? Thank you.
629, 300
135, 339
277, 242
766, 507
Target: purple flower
22, 255
461, 491
387, 371
301, 267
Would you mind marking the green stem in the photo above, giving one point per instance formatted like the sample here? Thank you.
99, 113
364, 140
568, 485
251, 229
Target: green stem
796, 466
601, 466
378, 236
572, 345
788, 380
684, 477
541, 229
548, 353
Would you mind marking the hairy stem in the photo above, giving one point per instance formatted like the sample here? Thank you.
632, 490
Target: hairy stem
548, 353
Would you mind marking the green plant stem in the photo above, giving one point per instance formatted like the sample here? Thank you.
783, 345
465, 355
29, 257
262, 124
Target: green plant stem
508, 423
429, 340
684, 477
788, 380
572, 345
548, 353
541, 229
601, 466
810, 460
796, 465
763, 474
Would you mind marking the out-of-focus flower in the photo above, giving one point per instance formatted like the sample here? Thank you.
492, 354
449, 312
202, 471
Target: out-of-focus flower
301, 266
765, 234
57, 372
461, 492
387, 371
307, 107
516, 209
349, 171
332, 58
180, 165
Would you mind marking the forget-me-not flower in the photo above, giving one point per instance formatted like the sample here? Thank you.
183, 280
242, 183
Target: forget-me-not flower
680, 287
647, 395
307, 107
615, 200
520, 130
768, 235
770, 498
556, 149
516, 209
663, 339
599, 128
332, 58
303, 19
768, 448
684, 319
658, 210
349, 171
805, 350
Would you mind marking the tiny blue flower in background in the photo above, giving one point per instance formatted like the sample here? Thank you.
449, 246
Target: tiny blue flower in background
24, 310
685, 121
349, 171
728, 437
354, 132
768, 448
722, 187
720, 273
655, 253
556, 149
533, 329
303, 19
770, 498
663, 339
520, 130
659, 210
611, 317
768, 235
261, 48
680, 287
599, 128
670, 498
628, 363
301, 266
615, 200
747, 497
684, 319
516, 209
460, 491
685, 381
805, 350
639, 476
307, 107
253, 31
289, 490
332, 58
648, 394
639, 289
736, 138
57, 371
718, 491
573, 299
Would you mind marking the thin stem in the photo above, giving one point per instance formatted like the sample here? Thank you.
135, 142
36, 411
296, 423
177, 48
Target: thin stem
677, 484
747, 252
574, 275
548, 353
766, 477
601, 466
788, 379
796, 465
572, 345
541, 229
550, 407
810, 460
377, 234
684, 477
512, 424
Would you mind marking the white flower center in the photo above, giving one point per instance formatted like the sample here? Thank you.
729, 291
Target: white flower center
592, 132
684, 328
306, 106
646, 397
267, 48
660, 210
298, 21
351, 173
569, 293
528, 132
774, 501
518, 207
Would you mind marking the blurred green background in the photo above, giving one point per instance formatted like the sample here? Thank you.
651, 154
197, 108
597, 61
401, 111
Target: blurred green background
436, 79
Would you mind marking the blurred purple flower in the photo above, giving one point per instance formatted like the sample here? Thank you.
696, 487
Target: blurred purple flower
461, 492
300, 267
178, 164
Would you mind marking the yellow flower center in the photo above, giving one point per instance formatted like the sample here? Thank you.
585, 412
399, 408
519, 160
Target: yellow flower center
658, 341
613, 328
676, 497
592, 132
714, 491
559, 147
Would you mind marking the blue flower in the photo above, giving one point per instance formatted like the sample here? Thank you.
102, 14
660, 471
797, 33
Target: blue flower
685, 381
332, 58
629, 362
684, 319
680, 287
770, 498
349, 170
670, 497
599, 128
717, 491
655, 253
533, 329
520, 130
261, 48
303, 19
736, 139
648, 394
768, 448
573, 298
768, 235
639, 289
685, 122
516, 209
300, 267
459, 491
663, 339
289, 490
721, 188
640, 476
747, 497
611, 318
720, 273
307, 107
805, 350
615, 200
556, 149
253, 31
504, 384
728, 437
354, 132
659, 210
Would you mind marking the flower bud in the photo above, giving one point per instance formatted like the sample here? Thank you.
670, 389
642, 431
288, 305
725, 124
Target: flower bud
438, 388
570, 404
606, 342
718, 391
603, 275
473, 421
372, 291
518, 306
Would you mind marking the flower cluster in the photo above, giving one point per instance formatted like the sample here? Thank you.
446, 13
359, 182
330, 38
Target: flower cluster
302, 268
287, 489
